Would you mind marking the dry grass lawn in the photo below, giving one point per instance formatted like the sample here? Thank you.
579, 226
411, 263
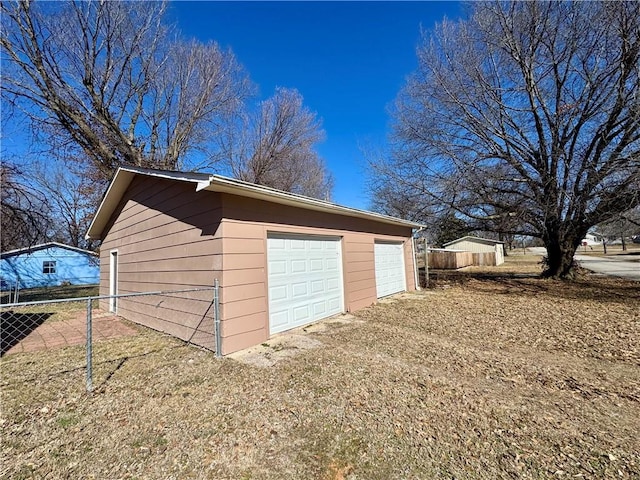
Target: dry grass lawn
499, 377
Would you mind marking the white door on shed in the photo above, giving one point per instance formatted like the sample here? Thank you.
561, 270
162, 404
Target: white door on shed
389, 260
304, 280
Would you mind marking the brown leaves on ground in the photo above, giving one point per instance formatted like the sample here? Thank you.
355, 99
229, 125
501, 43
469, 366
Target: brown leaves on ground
500, 377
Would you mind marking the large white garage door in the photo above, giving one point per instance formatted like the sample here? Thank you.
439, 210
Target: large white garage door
390, 276
305, 280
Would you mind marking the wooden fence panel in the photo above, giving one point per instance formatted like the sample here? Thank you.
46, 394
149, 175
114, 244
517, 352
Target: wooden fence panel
443, 260
486, 258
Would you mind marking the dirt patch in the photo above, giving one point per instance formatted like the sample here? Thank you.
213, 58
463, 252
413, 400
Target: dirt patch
498, 377
280, 348
287, 345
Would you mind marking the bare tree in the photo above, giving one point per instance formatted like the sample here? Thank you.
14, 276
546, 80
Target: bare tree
72, 199
275, 147
621, 227
24, 212
111, 79
529, 110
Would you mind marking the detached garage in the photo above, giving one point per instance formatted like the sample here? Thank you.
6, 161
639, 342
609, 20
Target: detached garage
282, 260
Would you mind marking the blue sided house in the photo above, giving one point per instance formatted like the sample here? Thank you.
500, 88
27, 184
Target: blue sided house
48, 265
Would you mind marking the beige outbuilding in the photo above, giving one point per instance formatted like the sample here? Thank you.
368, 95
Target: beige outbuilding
479, 245
282, 260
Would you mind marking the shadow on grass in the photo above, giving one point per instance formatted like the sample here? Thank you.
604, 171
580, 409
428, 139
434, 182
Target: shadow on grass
105, 375
586, 287
14, 327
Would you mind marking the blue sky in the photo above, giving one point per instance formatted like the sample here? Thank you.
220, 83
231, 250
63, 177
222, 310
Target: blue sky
348, 60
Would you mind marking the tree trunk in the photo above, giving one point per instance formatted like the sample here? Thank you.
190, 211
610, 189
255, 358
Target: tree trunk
560, 252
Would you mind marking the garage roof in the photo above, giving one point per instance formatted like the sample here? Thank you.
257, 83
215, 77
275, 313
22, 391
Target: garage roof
43, 246
217, 183
486, 241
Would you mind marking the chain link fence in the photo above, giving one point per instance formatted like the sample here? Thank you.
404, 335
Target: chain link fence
65, 335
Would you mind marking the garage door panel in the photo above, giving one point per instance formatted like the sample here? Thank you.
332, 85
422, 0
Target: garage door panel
299, 289
277, 267
279, 319
319, 308
333, 285
278, 293
305, 280
301, 314
296, 244
390, 270
316, 265
276, 243
298, 266
317, 287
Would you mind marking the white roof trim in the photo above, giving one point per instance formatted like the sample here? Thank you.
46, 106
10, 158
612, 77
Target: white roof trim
43, 246
217, 183
471, 237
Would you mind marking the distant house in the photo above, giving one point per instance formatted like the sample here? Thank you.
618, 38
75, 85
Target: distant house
48, 265
591, 239
479, 245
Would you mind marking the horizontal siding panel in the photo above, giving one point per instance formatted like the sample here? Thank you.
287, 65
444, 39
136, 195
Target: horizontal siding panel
242, 307
230, 278
352, 247
139, 237
245, 245
362, 303
367, 283
182, 326
166, 284
352, 267
171, 306
170, 197
241, 261
368, 294
239, 325
129, 263
241, 292
241, 230
146, 231
198, 250
142, 223
244, 340
362, 275
205, 340
353, 257
188, 279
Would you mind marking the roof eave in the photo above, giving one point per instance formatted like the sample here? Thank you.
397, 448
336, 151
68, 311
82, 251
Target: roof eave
237, 187
119, 184
124, 176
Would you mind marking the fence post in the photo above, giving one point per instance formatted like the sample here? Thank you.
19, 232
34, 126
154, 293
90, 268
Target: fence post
89, 349
426, 263
216, 313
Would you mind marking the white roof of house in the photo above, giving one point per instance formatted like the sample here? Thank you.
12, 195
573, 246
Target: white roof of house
486, 241
217, 183
43, 246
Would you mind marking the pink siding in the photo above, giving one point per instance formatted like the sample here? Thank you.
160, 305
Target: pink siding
166, 238
245, 225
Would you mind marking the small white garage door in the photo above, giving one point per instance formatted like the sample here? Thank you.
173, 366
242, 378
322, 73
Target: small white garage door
390, 276
305, 280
